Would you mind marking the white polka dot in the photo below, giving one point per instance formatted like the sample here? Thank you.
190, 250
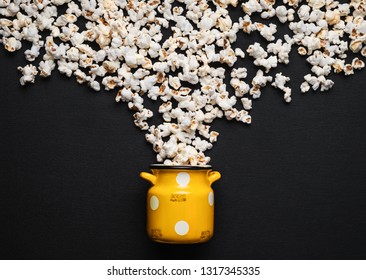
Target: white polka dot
183, 179
154, 202
211, 198
181, 227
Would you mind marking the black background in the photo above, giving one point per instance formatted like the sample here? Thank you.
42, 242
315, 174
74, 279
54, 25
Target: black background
293, 183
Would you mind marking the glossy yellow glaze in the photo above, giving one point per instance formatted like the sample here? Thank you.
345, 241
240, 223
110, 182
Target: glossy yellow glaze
180, 205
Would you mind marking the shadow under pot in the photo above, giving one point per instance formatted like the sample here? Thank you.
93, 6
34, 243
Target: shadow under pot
180, 203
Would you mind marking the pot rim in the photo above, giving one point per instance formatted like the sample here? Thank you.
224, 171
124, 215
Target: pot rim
189, 167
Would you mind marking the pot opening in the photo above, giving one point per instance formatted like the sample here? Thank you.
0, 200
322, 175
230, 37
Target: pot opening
190, 167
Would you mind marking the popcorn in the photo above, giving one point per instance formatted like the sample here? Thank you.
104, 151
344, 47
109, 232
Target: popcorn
304, 12
11, 44
348, 69
240, 87
251, 6
305, 87
356, 45
279, 82
246, 24
247, 103
267, 63
239, 53
316, 4
316, 82
256, 51
357, 64
174, 82
282, 50
258, 82
281, 13
80, 76
95, 85
267, 32
111, 82
311, 43
67, 68
141, 117
147, 83
46, 67
332, 17
321, 71
122, 48
240, 73
338, 66
228, 56
29, 73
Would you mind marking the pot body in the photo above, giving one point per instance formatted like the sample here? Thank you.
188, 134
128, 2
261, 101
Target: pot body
180, 204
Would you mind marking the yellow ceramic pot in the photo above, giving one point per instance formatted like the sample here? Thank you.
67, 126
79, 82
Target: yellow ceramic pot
180, 204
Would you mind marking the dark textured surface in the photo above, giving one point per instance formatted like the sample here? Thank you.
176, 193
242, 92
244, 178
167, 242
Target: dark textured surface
293, 183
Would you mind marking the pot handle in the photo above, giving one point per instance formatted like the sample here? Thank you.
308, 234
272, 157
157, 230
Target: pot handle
213, 176
149, 177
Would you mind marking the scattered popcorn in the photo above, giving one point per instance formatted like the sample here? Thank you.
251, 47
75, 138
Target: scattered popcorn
12, 44
304, 87
120, 47
279, 82
357, 64
258, 82
29, 73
